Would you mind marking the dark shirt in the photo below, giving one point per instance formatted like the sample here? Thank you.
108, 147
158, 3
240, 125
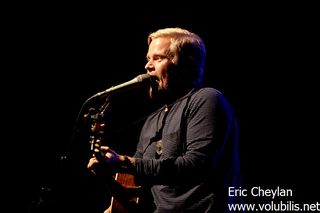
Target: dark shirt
187, 153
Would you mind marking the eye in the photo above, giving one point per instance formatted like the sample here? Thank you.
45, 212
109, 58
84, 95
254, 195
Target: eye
159, 57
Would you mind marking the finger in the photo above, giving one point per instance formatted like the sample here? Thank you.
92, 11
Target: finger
105, 148
92, 162
109, 155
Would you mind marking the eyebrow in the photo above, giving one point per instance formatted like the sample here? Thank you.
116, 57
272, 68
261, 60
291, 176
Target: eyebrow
158, 55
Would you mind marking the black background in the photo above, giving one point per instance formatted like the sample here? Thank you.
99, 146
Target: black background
264, 58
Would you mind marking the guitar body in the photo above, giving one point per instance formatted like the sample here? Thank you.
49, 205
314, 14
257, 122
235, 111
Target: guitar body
127, 181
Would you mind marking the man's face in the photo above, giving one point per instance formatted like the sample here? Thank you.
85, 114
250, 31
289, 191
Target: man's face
158, 63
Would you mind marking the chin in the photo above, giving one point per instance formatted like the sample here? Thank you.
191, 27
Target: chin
151, 95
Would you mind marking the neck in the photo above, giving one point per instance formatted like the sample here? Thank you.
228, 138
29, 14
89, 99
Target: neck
167, 97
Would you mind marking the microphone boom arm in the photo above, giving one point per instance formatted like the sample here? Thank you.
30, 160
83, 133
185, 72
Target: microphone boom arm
135, 82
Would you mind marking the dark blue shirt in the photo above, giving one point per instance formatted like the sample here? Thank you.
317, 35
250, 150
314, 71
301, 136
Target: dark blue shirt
187, 153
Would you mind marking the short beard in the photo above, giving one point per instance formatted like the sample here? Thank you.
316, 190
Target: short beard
158, 95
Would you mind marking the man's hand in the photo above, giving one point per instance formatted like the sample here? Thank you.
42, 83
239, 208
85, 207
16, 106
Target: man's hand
109, 161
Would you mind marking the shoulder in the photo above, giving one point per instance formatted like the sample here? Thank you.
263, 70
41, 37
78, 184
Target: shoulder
209, 97
207, 93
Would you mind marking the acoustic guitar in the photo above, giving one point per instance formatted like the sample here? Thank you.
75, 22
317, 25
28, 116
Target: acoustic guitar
122, 185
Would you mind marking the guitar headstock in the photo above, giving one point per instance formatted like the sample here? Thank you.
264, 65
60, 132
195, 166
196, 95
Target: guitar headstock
96, 122
96, 138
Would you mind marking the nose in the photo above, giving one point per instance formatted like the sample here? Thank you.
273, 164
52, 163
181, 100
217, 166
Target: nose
149, 66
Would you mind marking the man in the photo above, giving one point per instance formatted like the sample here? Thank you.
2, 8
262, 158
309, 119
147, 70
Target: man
186, 157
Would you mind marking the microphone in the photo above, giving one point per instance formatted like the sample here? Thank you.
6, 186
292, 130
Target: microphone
134, 83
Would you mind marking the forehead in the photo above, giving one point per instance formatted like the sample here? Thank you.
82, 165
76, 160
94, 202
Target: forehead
159, 45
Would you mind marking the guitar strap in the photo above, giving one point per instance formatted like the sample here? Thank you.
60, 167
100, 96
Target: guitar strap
158, 137
183, 124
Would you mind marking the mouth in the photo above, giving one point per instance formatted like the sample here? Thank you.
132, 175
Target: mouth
154, 84
154, 79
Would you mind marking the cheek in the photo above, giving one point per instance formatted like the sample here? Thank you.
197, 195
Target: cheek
163, 71
163, 79
162, 74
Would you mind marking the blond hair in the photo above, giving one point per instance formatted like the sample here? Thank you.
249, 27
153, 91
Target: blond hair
186, 48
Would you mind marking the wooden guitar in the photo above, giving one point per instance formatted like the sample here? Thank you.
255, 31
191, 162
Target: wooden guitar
125, 192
